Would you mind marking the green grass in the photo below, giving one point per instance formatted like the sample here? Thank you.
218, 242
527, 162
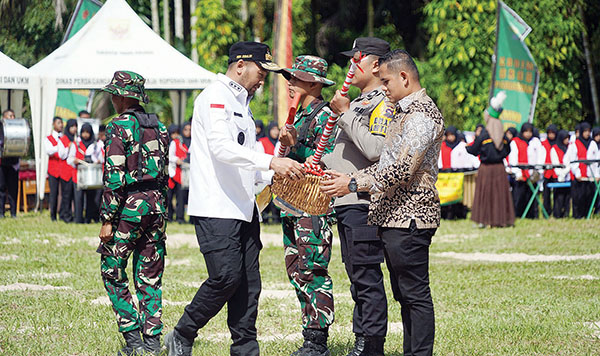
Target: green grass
482, 308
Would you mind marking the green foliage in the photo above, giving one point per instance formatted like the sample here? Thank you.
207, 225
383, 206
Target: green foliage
458, 70
217, 28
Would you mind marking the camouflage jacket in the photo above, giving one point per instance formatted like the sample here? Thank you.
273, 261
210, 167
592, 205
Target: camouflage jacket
309, 133
124, 197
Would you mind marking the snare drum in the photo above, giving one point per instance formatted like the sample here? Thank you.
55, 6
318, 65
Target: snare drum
89, 176
16, 137
185, 175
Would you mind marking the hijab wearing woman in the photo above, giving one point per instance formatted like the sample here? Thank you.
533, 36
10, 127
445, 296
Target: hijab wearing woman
451, 130
270, 127
560, 138
554, 129
513, 133
583, 128
596, 134
70, 123
87, 128
526, 127
260, 129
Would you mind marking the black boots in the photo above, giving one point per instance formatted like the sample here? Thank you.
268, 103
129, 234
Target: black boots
152, 344
134, 345
368, 346
178, 345
315, 343
359, 346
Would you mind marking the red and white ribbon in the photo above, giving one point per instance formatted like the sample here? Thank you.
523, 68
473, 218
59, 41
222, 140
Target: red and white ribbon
289, 123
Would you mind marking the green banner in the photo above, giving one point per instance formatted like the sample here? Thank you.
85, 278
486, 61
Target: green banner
70, 102
514, 69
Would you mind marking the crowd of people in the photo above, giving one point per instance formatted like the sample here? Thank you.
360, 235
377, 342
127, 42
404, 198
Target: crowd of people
529, 147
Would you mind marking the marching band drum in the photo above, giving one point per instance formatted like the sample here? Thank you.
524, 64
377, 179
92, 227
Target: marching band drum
17, 135
89, 176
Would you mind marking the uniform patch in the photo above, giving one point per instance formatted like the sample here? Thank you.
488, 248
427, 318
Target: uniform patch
237, 114
241, 138
217, 106
235, 86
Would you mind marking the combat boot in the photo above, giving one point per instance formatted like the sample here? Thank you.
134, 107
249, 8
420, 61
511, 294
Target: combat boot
152, 344
178, 345
373, 346
134, 345
359, 346
315, 343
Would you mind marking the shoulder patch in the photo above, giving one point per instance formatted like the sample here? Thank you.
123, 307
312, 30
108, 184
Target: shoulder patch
217, 106
235, 86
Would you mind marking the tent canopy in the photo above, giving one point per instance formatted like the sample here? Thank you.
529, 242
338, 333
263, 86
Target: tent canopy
114, 39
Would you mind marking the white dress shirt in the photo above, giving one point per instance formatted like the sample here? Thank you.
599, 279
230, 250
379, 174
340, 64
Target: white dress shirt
50, 148
563, 174
225, 163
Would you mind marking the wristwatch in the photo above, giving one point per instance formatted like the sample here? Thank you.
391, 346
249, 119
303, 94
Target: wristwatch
352, 186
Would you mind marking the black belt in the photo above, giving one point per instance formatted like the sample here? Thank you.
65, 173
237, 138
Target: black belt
142, 187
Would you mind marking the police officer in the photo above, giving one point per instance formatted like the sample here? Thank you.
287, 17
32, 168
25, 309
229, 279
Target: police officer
223, 170
133, 213
363, 125
307, 239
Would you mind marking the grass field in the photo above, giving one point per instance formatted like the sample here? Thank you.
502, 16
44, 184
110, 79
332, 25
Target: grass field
529, 290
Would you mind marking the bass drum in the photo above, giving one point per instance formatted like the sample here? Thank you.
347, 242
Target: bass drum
16, 134
185, 175
89, 176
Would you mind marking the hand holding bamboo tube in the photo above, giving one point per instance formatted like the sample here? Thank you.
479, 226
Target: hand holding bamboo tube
289, 123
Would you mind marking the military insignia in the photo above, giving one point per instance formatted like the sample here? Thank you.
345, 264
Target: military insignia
365, 102
241, 138
235, 86
268, 56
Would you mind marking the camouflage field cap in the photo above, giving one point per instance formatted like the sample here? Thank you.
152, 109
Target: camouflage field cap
127, 84
310, 69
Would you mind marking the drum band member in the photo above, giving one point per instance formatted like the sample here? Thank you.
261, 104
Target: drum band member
51, 144
67, 172
133, 214
174, 134
9, 175
179, 154
404, 201
224, 167
363, 125
307, 239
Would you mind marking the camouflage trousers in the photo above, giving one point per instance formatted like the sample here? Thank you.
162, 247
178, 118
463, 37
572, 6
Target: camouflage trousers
146, 240
307, 255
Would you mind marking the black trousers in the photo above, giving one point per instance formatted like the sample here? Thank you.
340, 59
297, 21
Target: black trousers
9, 188
54, 183
582, 194
172, 193
407, 258
92, 212
362, 254
182, 199
562, 202
521, 196
78, 204
231, 249
547, 195
67, 192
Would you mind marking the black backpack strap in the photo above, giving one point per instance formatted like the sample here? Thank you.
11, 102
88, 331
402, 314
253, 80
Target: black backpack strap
145, 121
303, 131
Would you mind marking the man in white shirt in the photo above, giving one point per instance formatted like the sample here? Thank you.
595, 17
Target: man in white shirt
52, 146
224, 168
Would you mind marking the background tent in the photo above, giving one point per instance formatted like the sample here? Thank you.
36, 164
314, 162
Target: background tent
114, 39
14, 80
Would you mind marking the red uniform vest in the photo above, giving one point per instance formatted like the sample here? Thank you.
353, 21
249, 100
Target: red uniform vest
446, 153
522, 158
181, 151
581, 154
549, 173
54, 164
79, 154
267, 145
66, 171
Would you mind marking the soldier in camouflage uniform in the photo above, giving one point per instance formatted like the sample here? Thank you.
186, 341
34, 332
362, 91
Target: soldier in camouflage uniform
133, 213
307, 239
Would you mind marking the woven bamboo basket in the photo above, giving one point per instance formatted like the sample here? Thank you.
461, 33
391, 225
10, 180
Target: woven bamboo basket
304, 195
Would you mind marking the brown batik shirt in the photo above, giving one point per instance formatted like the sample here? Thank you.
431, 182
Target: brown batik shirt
402, 183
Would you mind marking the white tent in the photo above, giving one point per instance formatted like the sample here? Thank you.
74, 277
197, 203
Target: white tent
14, 80
114, 39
